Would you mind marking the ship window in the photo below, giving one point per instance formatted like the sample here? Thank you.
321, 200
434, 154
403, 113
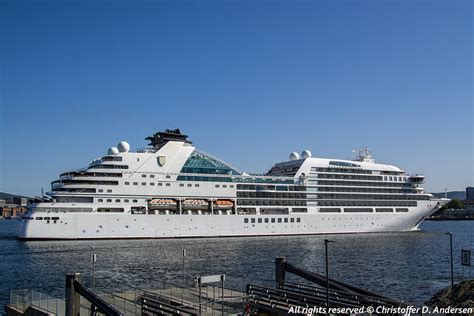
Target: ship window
110, 210
135, 201
298, 219
168, 184
108, 158
273, 220
279, 220
246, 220
117, 200
109, 191
196, 185
167, 177
385, 210
100, 200
151, 183
181, 184
109, 200
224, 186
199, 162
143, 175
266, 220
292, 220
402, 210
217, 185
152, 175
190, 185
127, 183
39, 218
143, 183
100, 190
253, 220
259, 220
135, 183
126, 200
160, 184
231, 186
286, 220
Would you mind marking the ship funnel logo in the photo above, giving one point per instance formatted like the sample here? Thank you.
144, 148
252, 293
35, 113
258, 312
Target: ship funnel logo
161, 160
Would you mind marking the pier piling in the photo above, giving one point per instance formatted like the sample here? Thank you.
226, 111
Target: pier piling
73, 298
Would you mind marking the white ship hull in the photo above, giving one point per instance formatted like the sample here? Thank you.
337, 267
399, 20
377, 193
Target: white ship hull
123, 226
173, 190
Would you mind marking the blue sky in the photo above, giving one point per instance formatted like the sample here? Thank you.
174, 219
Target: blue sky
249, 81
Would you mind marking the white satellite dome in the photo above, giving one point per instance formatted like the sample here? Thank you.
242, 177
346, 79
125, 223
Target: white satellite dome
123, 147
294, 156
112, 151
306, 154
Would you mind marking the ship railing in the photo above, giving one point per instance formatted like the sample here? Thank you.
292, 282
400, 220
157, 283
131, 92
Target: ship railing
128, 298
146, 150
25, 299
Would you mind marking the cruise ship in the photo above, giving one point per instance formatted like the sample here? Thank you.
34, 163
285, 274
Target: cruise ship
171, 189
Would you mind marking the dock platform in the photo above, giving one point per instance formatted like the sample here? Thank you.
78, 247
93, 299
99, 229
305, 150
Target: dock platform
209, 295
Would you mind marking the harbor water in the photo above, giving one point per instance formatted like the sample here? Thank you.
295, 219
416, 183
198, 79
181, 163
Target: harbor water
406, 266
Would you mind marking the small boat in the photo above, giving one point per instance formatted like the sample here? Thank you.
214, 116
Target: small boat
195, 204
162, 204
223, 204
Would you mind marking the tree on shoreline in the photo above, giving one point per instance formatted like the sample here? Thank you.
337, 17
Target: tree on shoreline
453, 204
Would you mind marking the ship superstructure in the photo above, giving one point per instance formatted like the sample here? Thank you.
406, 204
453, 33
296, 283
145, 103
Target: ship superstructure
172, 189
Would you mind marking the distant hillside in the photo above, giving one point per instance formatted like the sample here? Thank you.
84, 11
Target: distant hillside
458, 195
9, 197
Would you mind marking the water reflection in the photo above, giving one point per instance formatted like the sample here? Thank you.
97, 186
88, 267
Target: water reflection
408, 266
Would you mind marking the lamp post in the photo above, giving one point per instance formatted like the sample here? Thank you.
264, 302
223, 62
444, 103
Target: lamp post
326, 242
452, 265
184, 253
93, 260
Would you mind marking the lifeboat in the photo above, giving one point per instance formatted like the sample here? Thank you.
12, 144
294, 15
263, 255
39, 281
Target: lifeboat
195, 204
223, 204
162, 204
